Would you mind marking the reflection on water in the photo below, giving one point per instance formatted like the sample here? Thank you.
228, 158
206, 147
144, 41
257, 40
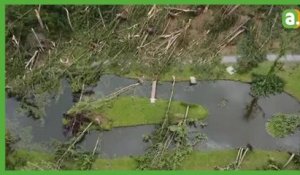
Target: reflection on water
225, 100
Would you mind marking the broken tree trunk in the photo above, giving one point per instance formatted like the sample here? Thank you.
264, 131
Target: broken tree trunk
153, 92
73, 144
290, 159
186, 114
115, 94
169, 104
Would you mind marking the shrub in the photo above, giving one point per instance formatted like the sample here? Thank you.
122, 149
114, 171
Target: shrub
282, 125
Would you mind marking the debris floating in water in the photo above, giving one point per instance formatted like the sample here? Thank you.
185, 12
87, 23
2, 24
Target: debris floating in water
193, 80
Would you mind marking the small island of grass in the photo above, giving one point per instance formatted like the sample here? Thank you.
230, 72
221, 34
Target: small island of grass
131, 111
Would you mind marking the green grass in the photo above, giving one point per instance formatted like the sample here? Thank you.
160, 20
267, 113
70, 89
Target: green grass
129, 111
19, 158
202, 160
123, 163
197, 160
290, 74
253, 160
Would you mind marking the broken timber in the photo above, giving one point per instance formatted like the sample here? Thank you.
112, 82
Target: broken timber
153, 92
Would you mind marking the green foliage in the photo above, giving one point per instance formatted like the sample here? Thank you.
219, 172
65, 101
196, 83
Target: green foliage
23, 18
249, 52
160, 156
209, 70
29, 160
265, 85
40, 166
75, 158
118, 163
282, 125
9, 150
170, 145
73, 58
86, 161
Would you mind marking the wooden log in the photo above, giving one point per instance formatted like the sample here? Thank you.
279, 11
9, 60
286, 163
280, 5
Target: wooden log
153, 92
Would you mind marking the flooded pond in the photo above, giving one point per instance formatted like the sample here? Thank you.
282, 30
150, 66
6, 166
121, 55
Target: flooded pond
225, 100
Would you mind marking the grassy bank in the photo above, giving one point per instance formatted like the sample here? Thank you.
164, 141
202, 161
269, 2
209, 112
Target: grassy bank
21, 158
122, 163
198, 160
130, 111
290, 74
206, 160
253, 160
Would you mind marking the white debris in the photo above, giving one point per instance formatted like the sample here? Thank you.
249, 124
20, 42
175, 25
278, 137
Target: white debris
193, 80
153, 92
230, 70
152, 100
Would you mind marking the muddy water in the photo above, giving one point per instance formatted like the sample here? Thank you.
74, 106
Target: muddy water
225, 100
